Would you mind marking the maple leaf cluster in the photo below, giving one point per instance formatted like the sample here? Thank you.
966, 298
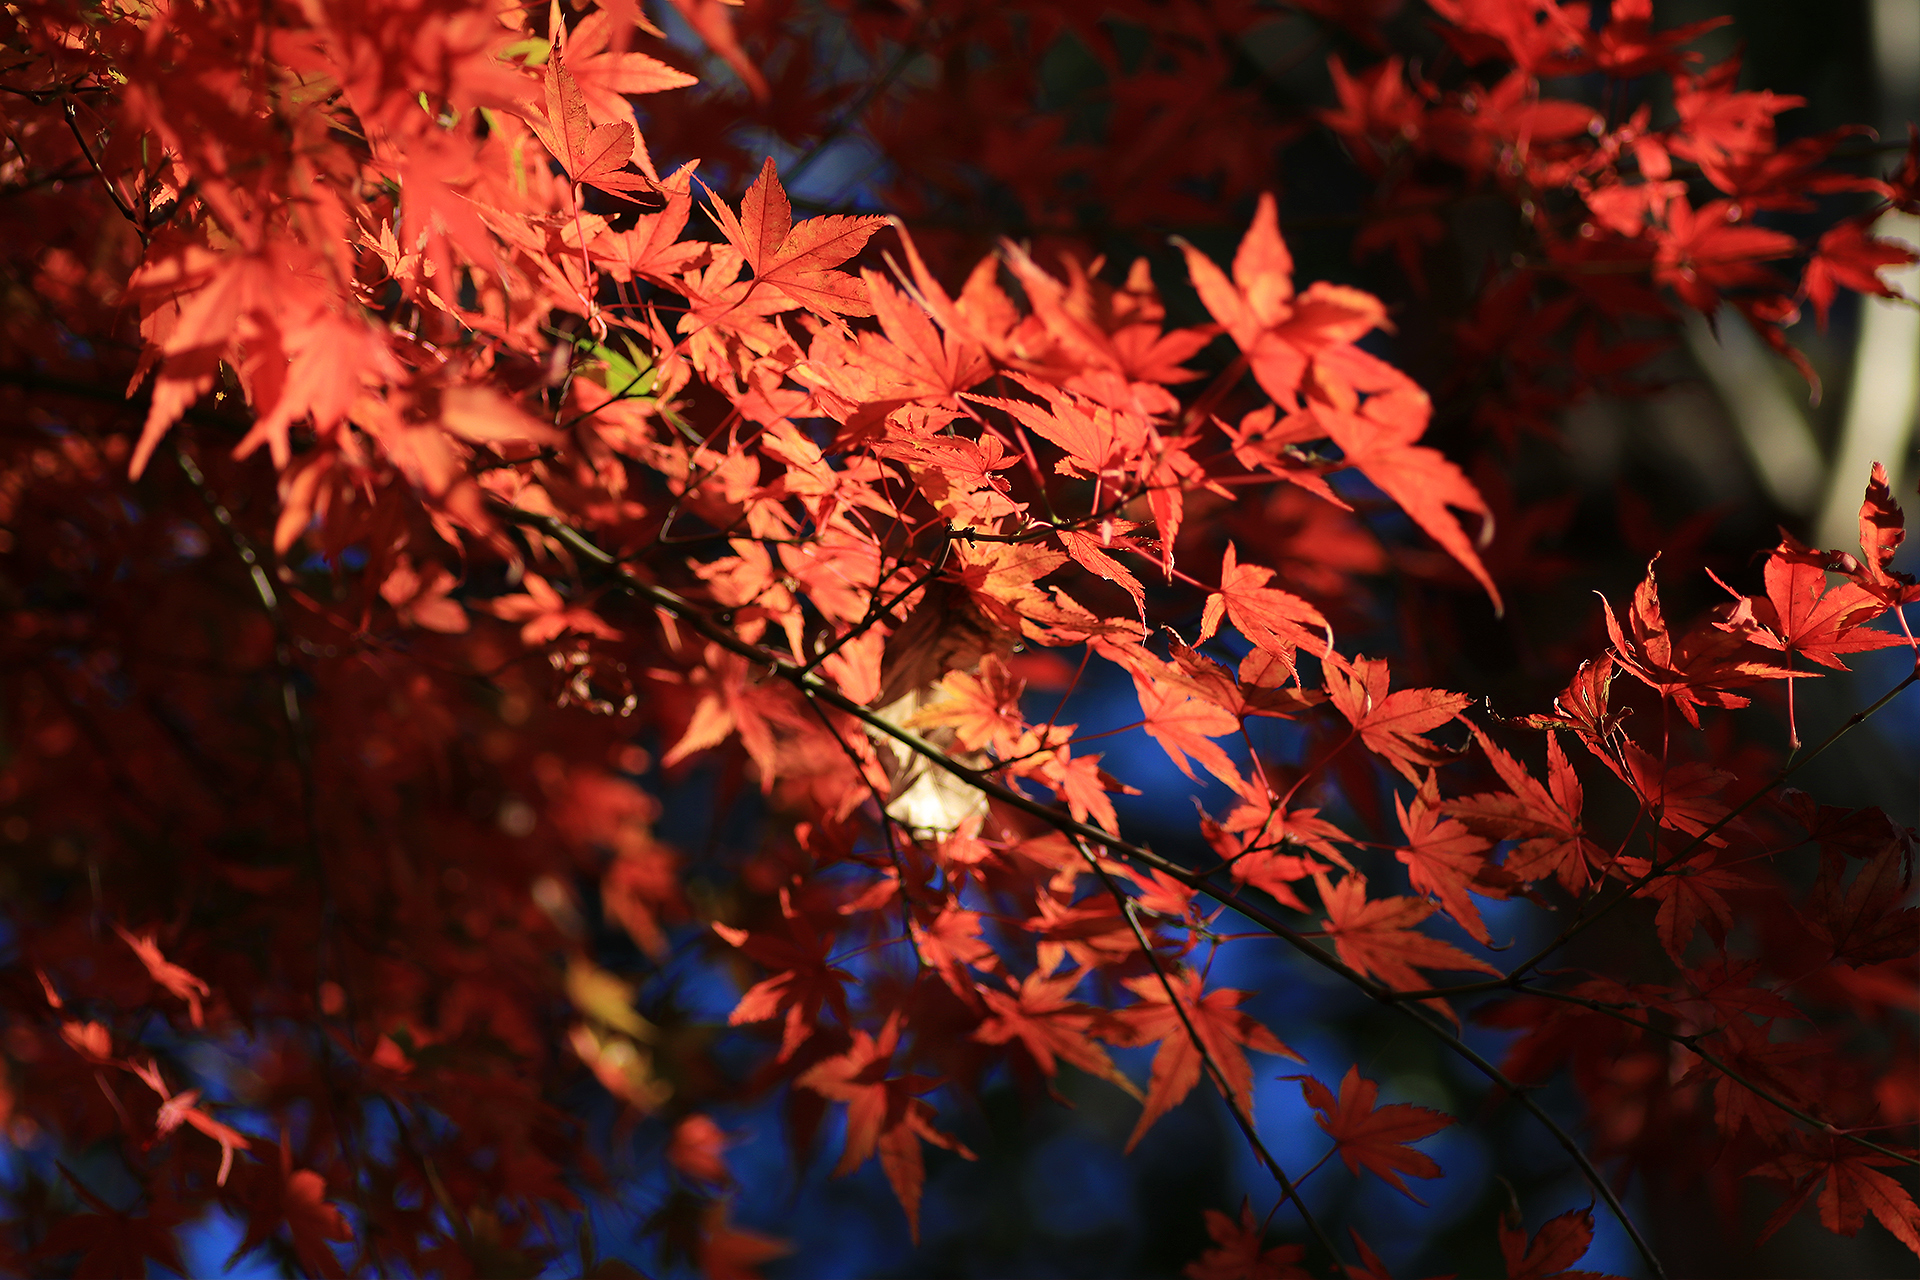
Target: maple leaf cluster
423, 490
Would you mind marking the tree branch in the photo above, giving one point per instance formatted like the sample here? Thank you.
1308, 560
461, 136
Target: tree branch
1691, 1043
1582, 922
1289, 1190
812, 686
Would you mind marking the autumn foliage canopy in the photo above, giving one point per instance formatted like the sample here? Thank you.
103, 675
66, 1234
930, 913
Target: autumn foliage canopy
567, 572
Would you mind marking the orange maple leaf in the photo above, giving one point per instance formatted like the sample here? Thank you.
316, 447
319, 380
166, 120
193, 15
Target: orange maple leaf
1099, 440
1378, 437
1184, 726
607, 76
1445, 858
169, 975
1278, 332
546, 614
589, 152
1090, 553
982, 710
802, 979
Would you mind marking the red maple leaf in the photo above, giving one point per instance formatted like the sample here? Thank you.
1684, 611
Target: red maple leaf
1697, 670
1090, 553
1690, 894
1799, 614
1864, 923
1850, 1186
1110, 337
698, 1149
1537, 36
1783, 1067
727, 1252
1628, 46
795, 261
652, 248
1544, 820
1092, 931
1391, 725
422, 599
113, 1245
1883, 527
1850, 257
1679, 794
1377, 938
1445, 858
802, 979
1239, 696
1706, 251
1584, 705
1239, 1251
1559, 1243
909, 361
1222, 1027
1375, 1137
713, 20
884, 1113
280, 1195
1050, 1025
1098, 440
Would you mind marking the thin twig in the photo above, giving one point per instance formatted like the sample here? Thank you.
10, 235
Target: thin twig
876, 611
1660, 867
1524, 1097
299, 734
113, 192
909, 50
1691, 1043
1289, 1190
